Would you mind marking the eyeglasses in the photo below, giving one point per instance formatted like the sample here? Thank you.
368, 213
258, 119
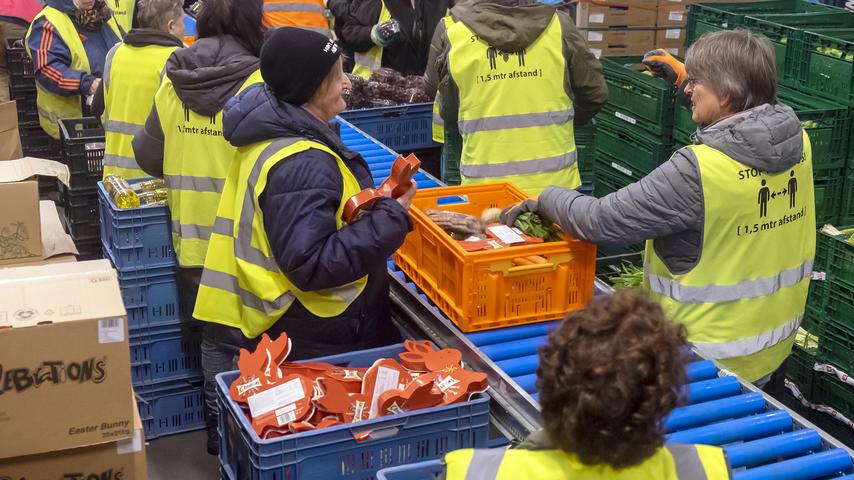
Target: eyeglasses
692, 82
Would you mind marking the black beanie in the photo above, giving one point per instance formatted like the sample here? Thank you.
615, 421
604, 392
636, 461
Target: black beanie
295, 61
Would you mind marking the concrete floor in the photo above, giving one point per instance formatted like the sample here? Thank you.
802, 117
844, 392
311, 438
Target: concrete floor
181, 457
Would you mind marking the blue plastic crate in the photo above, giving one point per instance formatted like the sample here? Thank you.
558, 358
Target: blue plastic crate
150, 296
166, 353
429, 470
171, 407
402, 127
135, 237
334, 453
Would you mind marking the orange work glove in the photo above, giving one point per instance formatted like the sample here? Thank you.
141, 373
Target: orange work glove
663, 64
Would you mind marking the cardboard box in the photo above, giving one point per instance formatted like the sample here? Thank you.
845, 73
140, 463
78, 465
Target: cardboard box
64, 360
10, 138
20, 217
594, 15
625, 41
672, 40
122, 460
672, 15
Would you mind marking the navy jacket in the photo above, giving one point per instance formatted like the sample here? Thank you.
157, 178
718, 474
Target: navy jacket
52, 58
299, 207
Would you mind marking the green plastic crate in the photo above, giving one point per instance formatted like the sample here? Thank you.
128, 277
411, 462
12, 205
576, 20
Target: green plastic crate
586, 154
683, 125
829, 390
637, 150
611, 174
827, 64
846, 206
828, 194
704, 18
799, 369
827, 123
785, 31
835, 257
635, 99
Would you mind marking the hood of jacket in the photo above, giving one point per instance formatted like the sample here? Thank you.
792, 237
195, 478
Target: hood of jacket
509, 25
144, 37
257, 115
210, 72
64, 6
767, 137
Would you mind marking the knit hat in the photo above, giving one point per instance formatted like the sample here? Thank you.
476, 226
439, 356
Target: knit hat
295, 61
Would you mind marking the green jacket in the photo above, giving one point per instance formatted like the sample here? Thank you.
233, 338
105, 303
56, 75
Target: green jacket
511, 25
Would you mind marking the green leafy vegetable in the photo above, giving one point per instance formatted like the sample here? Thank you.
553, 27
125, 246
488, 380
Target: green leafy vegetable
631, 276
535, 225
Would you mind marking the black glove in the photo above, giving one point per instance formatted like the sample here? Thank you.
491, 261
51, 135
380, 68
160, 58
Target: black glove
510, 214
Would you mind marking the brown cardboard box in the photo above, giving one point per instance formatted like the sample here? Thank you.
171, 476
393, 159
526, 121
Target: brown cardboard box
594, 15
10, 139
122, 460
672, 40
675, 15
64, 358
20, 217
619, 41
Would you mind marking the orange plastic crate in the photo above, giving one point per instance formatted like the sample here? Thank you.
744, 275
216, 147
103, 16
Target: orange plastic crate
484, 290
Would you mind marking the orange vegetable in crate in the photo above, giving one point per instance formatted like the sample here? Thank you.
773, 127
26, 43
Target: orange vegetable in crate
397, 183
485, 289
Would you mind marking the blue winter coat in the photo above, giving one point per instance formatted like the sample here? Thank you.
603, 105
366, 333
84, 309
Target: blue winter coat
299, 207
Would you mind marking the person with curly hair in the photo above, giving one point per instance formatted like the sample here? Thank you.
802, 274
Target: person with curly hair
608, 376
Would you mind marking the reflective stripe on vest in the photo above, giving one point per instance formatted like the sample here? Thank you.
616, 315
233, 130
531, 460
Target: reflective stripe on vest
677, 462
305, 14
242, 285
744, 300
367, 62
515, 116
194, 182
127, 103
51, 106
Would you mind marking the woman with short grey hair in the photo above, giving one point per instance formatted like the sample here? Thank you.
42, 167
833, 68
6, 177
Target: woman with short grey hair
729, 221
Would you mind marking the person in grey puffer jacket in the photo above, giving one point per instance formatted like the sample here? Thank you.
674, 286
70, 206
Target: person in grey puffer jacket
696, 210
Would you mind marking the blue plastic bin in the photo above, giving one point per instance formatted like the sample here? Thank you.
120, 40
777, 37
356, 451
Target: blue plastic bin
401, 127
135, 237
166, 353
171, 407
429, 470
150, 296
334, 453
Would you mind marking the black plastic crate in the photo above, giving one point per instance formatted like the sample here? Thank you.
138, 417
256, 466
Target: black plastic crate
81, 231
81, 205
17, 60
82, 146
89, 249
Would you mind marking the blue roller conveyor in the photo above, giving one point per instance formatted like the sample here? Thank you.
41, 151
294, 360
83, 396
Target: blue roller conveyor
691, 416
809, 467
703, 391
764, 450
738, 430
761, 439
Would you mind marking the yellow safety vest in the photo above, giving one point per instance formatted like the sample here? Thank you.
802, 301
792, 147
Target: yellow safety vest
743, 302
196, 160
515, 117
367, 62
123, 12
673, 462
242, 285
52, 107
131, 78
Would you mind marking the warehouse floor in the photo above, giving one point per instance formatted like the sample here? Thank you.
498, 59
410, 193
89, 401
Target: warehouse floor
181, 456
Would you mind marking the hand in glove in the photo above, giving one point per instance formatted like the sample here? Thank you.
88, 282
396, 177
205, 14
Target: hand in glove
510, 214
386, 34
662, 64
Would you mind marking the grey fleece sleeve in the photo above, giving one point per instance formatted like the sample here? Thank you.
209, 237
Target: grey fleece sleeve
667, 201
148, 146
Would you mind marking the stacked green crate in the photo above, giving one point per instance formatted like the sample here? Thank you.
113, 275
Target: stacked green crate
704, 18
831, 308
586, 155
